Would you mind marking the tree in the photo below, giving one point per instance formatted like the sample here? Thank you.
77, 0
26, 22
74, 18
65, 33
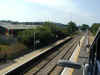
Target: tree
95, 27
43, 34
84, 27
25, 36
53, 27
46, 34
58, 31
71, 27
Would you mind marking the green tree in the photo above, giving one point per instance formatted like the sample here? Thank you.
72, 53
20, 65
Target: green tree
53, 27
71, 27
46, 34
95, 27
58, 31
84, 27
43, 34
25, 36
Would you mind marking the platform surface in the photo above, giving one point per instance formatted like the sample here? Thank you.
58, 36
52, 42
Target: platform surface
82, 58
24, 59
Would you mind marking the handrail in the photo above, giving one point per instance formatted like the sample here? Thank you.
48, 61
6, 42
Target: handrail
94, 54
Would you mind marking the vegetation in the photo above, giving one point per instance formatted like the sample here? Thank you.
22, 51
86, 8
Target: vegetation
71, 28
84, 27
46, 34
12, 51
95, 27
41, 36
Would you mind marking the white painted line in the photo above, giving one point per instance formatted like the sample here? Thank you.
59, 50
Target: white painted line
73, 58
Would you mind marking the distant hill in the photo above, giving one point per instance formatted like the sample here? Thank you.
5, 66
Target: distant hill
60, 24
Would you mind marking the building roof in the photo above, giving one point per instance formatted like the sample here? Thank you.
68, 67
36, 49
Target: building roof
17, 26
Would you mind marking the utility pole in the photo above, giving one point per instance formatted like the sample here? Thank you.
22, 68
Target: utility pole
34, 40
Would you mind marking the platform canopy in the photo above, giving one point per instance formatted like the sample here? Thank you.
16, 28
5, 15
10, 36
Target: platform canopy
17, 26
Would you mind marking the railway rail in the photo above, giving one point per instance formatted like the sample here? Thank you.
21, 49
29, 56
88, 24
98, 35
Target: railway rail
48, 66
45, 64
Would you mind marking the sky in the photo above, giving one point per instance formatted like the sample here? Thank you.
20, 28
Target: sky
61, 11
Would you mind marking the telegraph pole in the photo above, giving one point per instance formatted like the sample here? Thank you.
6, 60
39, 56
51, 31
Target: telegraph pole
34, 40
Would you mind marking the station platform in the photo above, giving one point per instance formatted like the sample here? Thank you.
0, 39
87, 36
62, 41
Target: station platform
74, 57
82, 58
24, 59
80, 55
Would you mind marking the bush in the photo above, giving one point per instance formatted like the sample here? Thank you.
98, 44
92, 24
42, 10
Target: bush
95, 27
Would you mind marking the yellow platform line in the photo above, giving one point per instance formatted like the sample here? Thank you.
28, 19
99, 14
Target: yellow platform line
74, 58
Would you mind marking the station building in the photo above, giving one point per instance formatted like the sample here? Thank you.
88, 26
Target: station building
12, 29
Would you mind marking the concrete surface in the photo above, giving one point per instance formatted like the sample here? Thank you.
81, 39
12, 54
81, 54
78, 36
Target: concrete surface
74, 57
82, 58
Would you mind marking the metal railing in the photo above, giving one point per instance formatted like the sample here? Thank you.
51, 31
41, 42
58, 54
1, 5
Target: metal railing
94, 56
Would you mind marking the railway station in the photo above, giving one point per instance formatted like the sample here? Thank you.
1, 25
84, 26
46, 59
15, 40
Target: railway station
75, 53
49, 37
72, 55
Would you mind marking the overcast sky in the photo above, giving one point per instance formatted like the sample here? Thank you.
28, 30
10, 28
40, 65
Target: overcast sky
62, 11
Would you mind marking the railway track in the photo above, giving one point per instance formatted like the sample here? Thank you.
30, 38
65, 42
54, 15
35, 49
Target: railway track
47, 65
57, 69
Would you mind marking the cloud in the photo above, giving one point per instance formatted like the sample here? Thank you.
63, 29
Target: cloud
41, 10
57, 5
47, 2
53, 3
